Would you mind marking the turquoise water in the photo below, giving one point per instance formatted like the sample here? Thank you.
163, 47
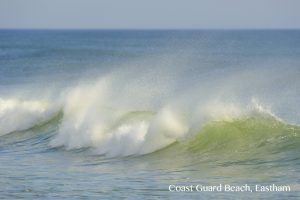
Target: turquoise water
125, 114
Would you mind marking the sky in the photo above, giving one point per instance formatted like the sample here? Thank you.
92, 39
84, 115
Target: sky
150, 14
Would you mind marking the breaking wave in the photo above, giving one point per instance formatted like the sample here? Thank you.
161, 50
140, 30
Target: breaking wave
113, 133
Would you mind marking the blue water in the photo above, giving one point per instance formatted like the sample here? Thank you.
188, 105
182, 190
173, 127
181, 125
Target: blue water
109, 114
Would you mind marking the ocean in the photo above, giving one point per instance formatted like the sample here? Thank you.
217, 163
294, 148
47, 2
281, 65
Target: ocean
149, 114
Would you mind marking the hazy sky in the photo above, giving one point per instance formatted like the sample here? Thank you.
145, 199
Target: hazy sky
150, 14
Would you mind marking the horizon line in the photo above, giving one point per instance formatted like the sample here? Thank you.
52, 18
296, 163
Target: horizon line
147, 29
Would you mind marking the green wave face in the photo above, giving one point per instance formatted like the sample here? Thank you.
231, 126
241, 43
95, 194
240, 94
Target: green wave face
249, 147
243, 138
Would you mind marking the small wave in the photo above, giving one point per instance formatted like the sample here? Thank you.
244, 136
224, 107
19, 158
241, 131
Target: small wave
39, 131
17, 114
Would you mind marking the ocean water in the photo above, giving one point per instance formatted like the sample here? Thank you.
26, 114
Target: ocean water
112, 114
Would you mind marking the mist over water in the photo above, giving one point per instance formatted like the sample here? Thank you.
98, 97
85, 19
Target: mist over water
169, 106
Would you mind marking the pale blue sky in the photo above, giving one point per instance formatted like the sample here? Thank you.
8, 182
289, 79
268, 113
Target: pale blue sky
150, 14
